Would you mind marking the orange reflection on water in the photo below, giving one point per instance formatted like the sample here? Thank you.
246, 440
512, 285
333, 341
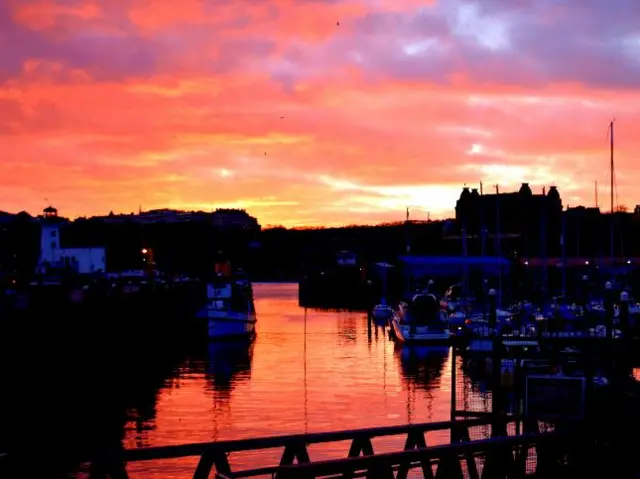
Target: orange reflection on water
307, 371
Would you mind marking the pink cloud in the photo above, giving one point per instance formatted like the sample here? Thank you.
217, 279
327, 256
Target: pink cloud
273, 105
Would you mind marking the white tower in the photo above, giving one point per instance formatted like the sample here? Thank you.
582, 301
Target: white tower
49, 236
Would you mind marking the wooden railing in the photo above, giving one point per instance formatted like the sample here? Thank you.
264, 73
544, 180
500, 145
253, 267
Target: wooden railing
496, 451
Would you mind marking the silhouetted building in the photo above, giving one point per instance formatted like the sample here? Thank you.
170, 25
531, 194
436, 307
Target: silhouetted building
234, 219
54, 257
222, 218
527, 223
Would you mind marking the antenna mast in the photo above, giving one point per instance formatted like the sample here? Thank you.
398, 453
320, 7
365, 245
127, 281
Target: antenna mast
596, 189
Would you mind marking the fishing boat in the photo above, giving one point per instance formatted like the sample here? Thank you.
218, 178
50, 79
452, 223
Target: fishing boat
230, 309
420, 321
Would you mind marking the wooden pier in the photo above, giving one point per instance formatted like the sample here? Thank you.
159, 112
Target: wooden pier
497, 456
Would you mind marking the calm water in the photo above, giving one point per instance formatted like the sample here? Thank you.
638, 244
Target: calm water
307, 371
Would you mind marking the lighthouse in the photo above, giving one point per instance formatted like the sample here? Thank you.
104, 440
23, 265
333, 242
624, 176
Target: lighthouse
49, 236
55, 258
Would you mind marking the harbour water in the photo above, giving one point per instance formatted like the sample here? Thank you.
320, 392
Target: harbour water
307, 371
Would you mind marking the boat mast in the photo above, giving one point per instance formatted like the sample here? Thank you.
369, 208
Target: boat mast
306, 397
483, 237
564, 253
612, 164
465, 255
611, 174
499, 256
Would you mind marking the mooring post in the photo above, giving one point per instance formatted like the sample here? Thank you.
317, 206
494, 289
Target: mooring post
608, 307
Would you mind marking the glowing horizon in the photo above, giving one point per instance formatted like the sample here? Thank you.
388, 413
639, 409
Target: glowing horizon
315, 113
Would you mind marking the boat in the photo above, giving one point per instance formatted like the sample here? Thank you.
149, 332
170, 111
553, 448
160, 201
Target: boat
420, 322
382, 313
230, 310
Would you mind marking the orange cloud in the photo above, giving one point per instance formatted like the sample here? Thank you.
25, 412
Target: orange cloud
274, 107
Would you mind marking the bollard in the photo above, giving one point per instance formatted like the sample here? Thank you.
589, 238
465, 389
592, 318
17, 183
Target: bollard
608, 307
623, 318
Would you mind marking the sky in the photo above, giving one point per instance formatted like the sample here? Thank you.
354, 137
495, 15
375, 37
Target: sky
312, 112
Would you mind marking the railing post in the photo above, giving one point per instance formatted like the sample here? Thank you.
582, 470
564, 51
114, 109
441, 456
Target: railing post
415, 439
547, 455
461, 434
449, 467
295, 450
210, 459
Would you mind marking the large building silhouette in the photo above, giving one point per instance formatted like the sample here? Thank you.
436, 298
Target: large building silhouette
527, 223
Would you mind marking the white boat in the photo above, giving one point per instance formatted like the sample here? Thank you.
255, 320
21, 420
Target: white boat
230, 309
382, 313
420, 322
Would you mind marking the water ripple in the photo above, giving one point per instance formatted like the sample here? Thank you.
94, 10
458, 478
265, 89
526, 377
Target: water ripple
307, 371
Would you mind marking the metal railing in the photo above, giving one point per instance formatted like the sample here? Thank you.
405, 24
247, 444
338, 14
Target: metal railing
492, 453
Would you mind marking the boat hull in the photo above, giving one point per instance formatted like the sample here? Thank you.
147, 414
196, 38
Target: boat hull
420, 334
231, 327
382, 315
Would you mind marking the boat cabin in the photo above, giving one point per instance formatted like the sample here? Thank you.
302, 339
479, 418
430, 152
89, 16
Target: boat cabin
421, 310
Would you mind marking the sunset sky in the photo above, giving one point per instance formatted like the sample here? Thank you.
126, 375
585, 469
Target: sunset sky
273, 106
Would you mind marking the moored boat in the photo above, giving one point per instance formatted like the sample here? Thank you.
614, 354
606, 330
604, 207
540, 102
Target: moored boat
382, 313
230, 309
420, 322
